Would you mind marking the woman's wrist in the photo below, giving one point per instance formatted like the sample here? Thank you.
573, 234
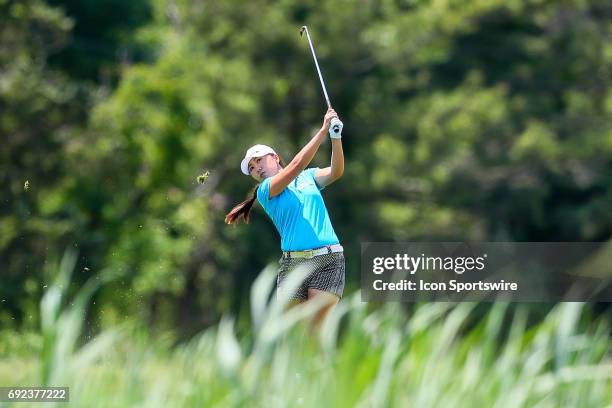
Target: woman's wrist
322, 132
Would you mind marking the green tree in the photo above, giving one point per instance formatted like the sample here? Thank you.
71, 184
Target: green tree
102, 39
37, 107
482, 120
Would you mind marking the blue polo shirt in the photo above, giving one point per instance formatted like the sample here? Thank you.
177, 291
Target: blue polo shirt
299, 213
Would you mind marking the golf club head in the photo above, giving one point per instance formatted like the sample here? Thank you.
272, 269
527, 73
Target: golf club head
302, 30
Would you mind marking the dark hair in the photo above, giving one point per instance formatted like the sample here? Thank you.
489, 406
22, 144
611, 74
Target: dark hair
244, 208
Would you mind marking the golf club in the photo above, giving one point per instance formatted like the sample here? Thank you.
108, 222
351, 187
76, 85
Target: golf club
335, 127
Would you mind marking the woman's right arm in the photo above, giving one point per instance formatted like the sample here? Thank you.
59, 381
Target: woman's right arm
302, 159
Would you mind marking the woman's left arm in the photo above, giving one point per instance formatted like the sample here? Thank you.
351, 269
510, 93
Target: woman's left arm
328, 175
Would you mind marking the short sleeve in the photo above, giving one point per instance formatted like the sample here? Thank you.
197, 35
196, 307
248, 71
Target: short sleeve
263, 192
312, 173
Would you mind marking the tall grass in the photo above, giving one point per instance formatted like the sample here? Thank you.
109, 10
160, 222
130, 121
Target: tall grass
431, 357
61, 326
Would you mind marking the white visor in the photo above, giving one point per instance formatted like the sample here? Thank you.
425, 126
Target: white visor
258, 150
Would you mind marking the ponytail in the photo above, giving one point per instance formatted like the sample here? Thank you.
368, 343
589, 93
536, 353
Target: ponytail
243, 209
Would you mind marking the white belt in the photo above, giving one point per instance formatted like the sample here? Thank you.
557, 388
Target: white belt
329, 249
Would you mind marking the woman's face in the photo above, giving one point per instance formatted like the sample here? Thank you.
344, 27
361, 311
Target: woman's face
264, 167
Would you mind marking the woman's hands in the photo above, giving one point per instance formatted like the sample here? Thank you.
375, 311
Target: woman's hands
329, 115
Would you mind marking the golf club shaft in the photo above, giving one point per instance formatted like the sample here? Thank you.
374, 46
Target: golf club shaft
314, 56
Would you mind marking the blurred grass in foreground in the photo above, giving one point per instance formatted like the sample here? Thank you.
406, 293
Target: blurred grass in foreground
381, 358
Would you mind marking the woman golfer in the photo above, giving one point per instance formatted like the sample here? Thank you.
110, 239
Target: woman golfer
291, 197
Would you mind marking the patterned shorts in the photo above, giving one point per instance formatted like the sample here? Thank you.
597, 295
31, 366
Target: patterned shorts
326, 272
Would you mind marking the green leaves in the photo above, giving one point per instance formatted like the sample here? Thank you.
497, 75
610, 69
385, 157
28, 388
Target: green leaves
485, 119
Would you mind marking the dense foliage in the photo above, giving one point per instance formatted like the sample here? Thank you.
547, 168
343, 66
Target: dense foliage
482, 120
